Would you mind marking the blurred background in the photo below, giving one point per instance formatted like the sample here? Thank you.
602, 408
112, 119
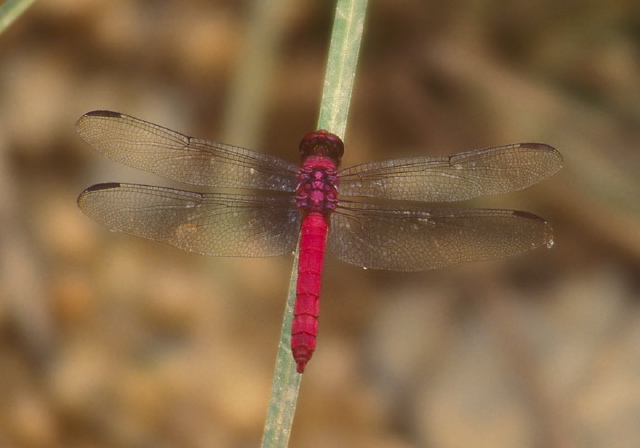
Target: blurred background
107, 340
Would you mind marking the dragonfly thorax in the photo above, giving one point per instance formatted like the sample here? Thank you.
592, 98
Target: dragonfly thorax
317, 186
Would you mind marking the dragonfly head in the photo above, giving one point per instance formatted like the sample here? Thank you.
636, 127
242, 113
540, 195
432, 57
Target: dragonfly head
322, 143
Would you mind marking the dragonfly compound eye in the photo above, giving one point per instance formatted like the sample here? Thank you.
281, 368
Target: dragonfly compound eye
322, 143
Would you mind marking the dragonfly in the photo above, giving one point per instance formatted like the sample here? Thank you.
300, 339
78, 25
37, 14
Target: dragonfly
378, 215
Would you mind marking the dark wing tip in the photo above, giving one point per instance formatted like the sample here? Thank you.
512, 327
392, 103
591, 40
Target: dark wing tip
543, 147
518, 213
97, 113
538, 146
542, 225
103, 113
105, 186
97, 187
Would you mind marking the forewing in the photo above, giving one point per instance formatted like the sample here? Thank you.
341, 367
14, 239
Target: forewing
453, 178
416, 239
178, 157
224, 225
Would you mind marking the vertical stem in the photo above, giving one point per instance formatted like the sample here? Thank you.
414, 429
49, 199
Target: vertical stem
11, 10
338, 85
286, 381
341, 66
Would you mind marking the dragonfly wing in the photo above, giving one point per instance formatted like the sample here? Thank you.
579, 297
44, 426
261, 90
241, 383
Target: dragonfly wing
224, 225
178, 157
453, 178
416, 239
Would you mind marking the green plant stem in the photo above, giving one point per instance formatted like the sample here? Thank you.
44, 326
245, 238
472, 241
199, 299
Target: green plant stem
341, 66
11, 10
338, 85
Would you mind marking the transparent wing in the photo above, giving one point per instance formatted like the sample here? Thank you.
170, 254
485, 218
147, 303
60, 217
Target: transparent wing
414, 239
453, 178
222, 225
175, 156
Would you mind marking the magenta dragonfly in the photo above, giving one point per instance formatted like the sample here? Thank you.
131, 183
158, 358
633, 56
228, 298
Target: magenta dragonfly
357, 211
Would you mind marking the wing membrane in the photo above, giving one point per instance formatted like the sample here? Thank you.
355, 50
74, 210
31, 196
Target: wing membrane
224, 225
453, 178
415, 239
178, 157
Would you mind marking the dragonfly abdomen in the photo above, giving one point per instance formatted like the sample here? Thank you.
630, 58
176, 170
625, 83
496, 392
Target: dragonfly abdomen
304, 329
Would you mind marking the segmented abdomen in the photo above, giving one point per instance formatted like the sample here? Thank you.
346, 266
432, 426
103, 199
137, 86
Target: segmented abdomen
304, 328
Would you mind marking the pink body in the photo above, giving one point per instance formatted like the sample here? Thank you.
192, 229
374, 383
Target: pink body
304, 327
316, 198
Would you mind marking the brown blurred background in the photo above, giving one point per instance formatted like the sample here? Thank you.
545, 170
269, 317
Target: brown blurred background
112, 341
